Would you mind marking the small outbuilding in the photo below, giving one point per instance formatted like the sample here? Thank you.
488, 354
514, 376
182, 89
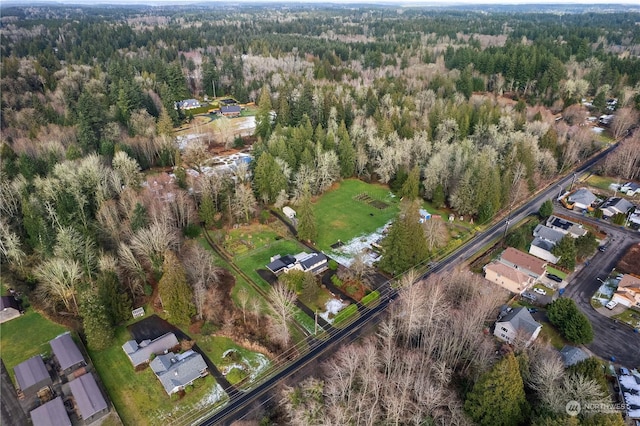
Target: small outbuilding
32, 375
572, 355
9, 308
67, 353
424, 215
89, 400
289, 212
51, 413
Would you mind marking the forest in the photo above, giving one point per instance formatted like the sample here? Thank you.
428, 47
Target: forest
103, 210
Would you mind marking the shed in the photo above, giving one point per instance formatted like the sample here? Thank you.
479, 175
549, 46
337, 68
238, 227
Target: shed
572, 355
9, 308
89, 400
67, 353
289, 212
424, 215
51, 414
32, 375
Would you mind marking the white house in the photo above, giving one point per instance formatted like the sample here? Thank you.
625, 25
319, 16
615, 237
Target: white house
630, 188
615, 205
581, 199
543, 249
517, 324
306, 262
628, 293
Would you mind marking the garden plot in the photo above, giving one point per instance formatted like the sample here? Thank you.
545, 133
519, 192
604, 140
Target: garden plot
332, 307
345, 254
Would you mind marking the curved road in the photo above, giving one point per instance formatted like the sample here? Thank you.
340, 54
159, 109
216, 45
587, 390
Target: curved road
240, 403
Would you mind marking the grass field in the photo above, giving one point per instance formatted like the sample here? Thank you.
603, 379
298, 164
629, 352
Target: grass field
139, 397
557, 272
340, 217
549, 332
26, 336
601, 182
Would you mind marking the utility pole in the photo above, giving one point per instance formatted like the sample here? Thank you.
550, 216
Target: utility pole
573, 181
315, 328
213, 84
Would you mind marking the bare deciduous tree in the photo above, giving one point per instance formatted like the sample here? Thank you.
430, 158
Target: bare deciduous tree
282, 306
58, 279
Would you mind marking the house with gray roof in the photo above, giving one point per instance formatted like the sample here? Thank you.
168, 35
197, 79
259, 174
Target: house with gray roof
630, 188
548, 234
140, 353
89, 401
565, 226
543, 249
51, 413
615, 205
305, 262
67, 353
581, 199
572, 355
32, 375
517, 324
177, 371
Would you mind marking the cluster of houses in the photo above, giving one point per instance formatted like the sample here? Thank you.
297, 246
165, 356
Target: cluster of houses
545, 237
60, 389
305, 262
584, 200
174, 370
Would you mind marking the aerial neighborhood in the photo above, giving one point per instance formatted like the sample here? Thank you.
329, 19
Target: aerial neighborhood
323, 214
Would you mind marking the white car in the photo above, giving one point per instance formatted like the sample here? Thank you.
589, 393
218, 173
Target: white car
540, 291
611, 304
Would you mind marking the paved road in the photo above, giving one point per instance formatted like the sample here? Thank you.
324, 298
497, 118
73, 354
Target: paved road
241, 402
610, 339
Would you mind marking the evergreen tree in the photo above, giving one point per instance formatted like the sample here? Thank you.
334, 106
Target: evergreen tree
139, 218
346, 152
175, 293
566, 250
438, 197
269, 178
498, 398
586, 245
307, 228
411, 187
263, 116
546, 209
95, 321
405, 245
573, 324
207, 211
116, 301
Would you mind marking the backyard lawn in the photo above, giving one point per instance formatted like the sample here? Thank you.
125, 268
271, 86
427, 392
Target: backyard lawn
342, 215
552, 335
601, 182
139, 397
557, 272
26, 336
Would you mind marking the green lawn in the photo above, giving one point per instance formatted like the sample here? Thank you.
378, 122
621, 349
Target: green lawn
234, 361
601, 182
550, 333
256, 259
139, 397
340, 217
557, 272
26, 336
631, 317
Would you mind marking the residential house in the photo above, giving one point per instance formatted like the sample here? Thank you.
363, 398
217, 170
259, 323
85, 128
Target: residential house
630, 388
188, 104
311, 262
543, 249
566, 227
523, 262
89, 401
547, 234
517, 324
230, 111
9, 308
615, 205
67, 353
32, 375
634, 218
628, 293
630, 188
140, 353
581, 199
572, 355
177, 371
507, 277
51, 413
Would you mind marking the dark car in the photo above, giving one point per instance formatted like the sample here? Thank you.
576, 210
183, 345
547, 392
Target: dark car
533, 310
554, 278
530, 296
602, 249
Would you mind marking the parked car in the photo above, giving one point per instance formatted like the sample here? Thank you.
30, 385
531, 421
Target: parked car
529, 296
603, 248
540, 291
611, 304
533, 310
554, 278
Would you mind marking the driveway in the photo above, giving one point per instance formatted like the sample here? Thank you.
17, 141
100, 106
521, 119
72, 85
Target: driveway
610, 338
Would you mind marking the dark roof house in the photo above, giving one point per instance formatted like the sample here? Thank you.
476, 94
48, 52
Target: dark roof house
32, 375
175, 372
89, 400
67, 353
616, 205
51, 413
281, 264
9, 308
548, 234
566, 227
517, 323
572, 355
140, 353
311, 262
230, 110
